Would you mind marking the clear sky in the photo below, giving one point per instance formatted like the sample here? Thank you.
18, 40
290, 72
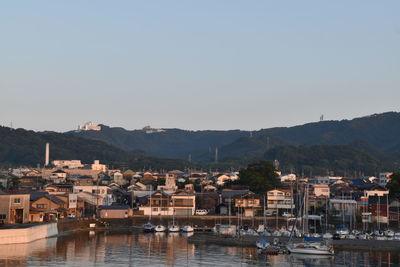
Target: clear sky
196, 64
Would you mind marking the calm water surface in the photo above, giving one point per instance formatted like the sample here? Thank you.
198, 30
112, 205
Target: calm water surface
137, 249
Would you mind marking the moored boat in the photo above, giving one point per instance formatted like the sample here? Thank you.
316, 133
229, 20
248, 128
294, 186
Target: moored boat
314, 248
160, 228
173, 228
148, 227
187, 229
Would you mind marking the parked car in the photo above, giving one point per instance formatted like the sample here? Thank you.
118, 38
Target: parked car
201, 212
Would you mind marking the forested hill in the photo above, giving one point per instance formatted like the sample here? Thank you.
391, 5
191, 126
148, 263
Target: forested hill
19, 147
379, 131
372, 141
173, 143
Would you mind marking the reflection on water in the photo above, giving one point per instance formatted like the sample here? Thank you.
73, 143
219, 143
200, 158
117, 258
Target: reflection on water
161, 249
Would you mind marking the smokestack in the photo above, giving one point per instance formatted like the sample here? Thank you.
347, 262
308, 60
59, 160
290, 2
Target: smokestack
46, 163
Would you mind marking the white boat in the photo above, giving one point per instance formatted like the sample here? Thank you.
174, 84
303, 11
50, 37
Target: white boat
173, 229
316, 235
327, 236
276, 233
251, 232
265, 233
396, 236
362, 236
314, 248
225, 229
160, 228
351, 236
187, 229
389, 233
343, 231
148, 227
262, 244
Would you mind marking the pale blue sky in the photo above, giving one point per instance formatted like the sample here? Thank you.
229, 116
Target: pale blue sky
196, 64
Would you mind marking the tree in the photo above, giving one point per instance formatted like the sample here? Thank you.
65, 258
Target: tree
394, 184
259, 177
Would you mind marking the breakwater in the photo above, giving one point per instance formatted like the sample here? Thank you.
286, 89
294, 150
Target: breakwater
250, 241
27, 233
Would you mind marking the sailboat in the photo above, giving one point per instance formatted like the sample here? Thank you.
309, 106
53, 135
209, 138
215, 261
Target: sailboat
173, 227
310, 245
314, 246
160, 228
149, 227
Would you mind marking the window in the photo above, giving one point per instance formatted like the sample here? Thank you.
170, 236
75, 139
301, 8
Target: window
164, 209
3, 216
17, 200
155, 209
41, 206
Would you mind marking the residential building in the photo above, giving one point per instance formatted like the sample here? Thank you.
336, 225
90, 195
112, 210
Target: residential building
58, 176
321, 190
280, 200
249, 204
47, 208
343, 209
14, 208
181, 203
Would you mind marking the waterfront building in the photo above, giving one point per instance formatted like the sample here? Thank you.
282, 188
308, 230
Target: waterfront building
47, 208
343, 209
14, 208
181, 203
115, 212
249, 204
280, 200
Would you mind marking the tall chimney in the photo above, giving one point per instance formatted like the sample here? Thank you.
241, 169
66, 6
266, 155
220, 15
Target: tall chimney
46, 163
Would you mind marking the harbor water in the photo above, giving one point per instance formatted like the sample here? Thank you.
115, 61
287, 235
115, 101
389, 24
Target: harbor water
133, 248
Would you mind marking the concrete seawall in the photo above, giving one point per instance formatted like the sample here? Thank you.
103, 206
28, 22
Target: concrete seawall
28, 233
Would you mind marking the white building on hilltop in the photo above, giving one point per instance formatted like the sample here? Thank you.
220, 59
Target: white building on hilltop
89, 126
70, 164
150, 130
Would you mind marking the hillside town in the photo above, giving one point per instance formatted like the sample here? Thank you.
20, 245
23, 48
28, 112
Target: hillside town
70, 189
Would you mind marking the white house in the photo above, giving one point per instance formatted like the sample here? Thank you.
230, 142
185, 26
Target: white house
288, 178
280, 200
321, 190
162, 204
98, 194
